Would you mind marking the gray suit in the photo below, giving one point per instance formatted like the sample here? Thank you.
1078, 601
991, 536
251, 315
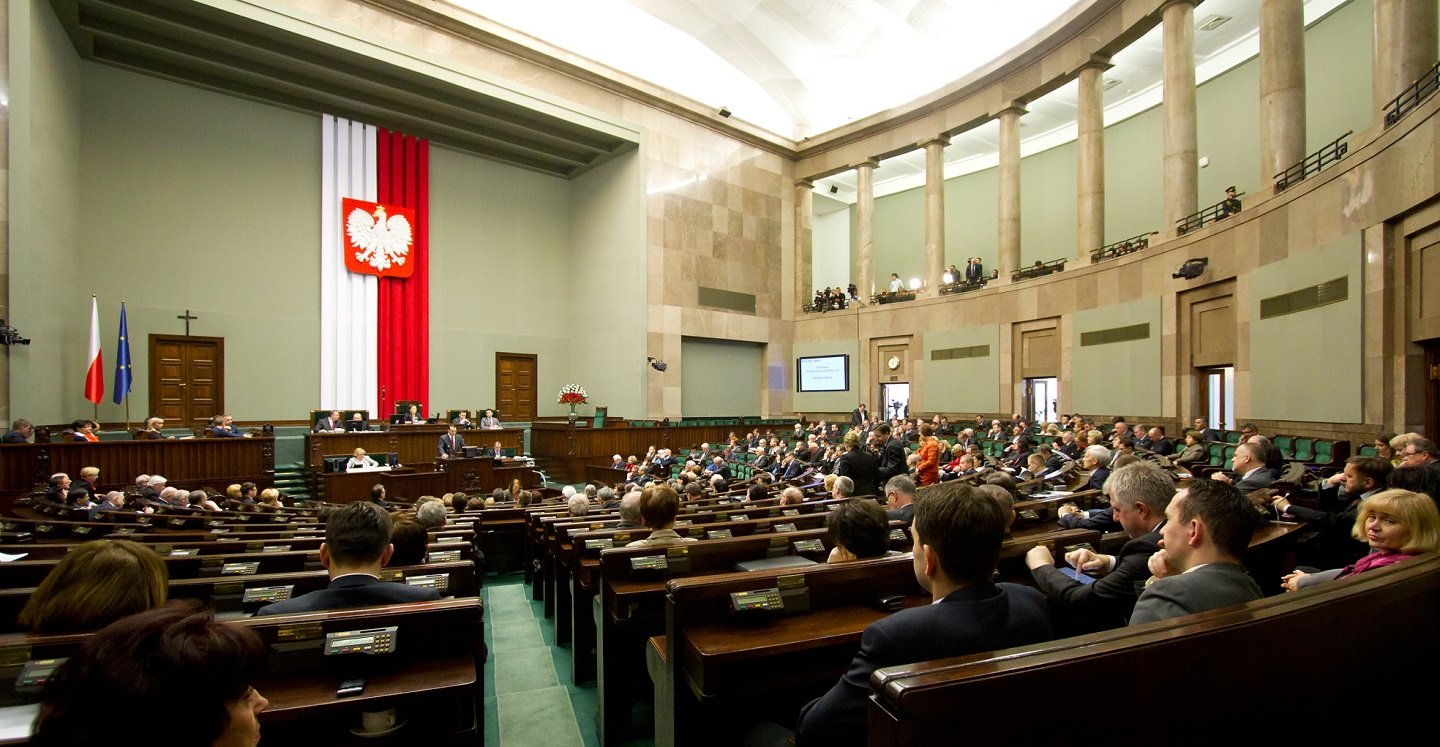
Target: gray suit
1260, 478
1205, 588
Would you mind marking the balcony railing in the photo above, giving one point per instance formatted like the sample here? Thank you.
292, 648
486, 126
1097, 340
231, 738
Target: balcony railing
1122, 247
1037, 270
961, 286
893, 296
1413, 96
1218, 211
1313, 163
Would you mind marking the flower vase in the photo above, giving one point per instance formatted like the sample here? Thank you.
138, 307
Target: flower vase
573, 416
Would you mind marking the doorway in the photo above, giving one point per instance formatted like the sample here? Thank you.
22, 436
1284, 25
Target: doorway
187, 378
1217, 396
1041, 399
515, 386
895, 398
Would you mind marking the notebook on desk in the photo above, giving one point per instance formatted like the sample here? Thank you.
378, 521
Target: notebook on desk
766, 564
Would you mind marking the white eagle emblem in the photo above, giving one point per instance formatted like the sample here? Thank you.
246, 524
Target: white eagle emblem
379, 241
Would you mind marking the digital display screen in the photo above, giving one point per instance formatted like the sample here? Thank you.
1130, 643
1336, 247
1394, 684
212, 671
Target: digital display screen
363, 641
823, 373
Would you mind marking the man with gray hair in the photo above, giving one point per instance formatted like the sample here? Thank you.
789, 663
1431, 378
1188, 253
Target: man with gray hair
792, 496
630, 511
113, 501
844, 487
1138, 496
431, 514
151, 491
606, 496
578, 505
900, 499
1069, 516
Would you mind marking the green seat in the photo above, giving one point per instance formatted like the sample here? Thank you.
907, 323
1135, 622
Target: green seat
1368, 451
1232, 437
1217, 454
1304, 449
1229, 455
1286, 445
1324, 452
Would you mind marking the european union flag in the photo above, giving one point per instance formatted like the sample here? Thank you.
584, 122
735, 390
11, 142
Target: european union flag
123, 374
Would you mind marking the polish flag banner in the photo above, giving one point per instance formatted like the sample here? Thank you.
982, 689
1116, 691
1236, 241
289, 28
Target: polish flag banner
95, 377
378, 238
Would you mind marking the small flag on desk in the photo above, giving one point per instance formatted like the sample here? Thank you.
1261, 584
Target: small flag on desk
95, 377
123, 374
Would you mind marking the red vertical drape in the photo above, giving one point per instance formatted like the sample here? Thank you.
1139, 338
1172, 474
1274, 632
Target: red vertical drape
403, 343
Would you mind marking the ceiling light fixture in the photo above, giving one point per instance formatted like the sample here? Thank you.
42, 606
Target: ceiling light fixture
1210, 23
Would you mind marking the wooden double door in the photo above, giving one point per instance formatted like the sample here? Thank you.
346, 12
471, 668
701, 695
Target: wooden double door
187, 378
515, 386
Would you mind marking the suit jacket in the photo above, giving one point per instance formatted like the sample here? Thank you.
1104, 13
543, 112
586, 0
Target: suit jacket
796, 469
892, 460
14, 437
451, 448
1099, 519
973, 619
221, 431
974, 273
857, 416
1083, 608
905, 513
1260, 478
1205, 588
1163, 447
325, 425
353, 590
490, 423
1192, 455
862, 467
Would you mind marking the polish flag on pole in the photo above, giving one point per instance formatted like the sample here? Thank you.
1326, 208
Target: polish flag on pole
95, 377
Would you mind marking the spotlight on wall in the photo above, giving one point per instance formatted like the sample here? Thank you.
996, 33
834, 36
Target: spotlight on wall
1193, 268
657, 364
914, 284
725, 111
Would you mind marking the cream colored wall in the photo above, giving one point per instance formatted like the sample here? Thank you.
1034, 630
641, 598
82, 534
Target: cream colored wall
965, 384
813, 402
830, 253
49, 286
1308, 365
721, 378
201, 201
1119, 377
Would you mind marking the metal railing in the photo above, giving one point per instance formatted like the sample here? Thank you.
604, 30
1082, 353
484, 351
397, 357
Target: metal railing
1039, 269
893, 296
962, 286
1122, 247
1414, 96
1313, 163
1218, 211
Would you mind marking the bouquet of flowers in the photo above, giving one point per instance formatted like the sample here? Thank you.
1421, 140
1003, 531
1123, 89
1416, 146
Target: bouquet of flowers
572, 394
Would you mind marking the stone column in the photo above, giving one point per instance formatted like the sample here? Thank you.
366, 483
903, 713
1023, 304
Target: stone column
1090, 162
1403, 48
865, 230
1282, 85
804, 242
5, 414
935, 213
1009, 209
1181, 169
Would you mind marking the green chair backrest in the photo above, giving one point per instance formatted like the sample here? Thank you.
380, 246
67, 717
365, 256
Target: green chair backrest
1304, 449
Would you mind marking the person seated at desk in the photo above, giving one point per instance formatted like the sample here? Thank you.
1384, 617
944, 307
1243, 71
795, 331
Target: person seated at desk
462, 420
84, 430
223, 426
357, 545
200, 498
857, 529
452, 444
497, 451
357, 423
330, 424
112, 501
152, 430
490, 422
96, 584
410, 539
659, 504
377, 497
412, 416
958, 534
176, 658
270, 498
360, 460
1397, 524
20, 432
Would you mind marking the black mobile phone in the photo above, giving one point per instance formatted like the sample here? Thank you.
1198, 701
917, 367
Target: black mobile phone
351, 687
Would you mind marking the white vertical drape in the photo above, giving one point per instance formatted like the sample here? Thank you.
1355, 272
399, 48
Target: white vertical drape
348, 302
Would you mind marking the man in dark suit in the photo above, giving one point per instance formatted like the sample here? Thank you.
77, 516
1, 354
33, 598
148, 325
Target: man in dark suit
900, 499
1208, 525
223, 426
1250, 470
452, 443
330, 424
719, 467
858, 464
891, 452
357, 545
974, 271
19, 433
858, 415
1139, 494
957, 534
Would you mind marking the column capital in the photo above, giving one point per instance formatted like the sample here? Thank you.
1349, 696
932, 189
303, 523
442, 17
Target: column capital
1099, 62
804, 183
873, 163
1191, 3
943, 140
1016, 107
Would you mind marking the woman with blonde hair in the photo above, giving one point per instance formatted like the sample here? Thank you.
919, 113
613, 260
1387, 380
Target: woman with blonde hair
1397, 524
96, 584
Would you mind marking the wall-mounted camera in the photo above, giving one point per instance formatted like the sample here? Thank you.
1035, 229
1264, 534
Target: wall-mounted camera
11, 336
1193, 268
657, 364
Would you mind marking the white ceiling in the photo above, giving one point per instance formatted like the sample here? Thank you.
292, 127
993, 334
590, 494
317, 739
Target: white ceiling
801, 67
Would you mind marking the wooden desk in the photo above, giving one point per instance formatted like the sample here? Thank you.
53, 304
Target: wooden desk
186, 463
416, 445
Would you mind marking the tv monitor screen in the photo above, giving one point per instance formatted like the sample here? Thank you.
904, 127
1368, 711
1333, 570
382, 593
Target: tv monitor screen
823, 373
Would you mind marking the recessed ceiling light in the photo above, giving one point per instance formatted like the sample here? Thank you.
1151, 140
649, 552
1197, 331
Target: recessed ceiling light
1109, 83
1211, 23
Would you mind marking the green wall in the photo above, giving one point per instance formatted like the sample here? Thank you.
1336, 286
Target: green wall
963, 384
1047, 206
201, 201
1307, 366
1228, 125
720, 377
1118, 378
607, 253
828, 401
899, 236
1133, 179
972, 218
499, 244
1337, 74
49, 286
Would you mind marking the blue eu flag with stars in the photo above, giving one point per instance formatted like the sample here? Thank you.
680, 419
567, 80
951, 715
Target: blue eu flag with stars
123, 374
